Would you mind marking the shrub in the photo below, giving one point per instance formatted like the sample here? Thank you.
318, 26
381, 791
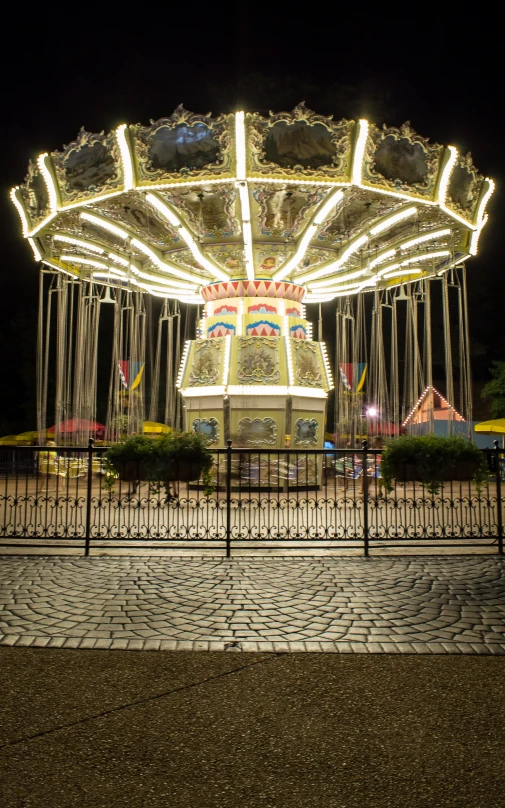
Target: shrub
434, 458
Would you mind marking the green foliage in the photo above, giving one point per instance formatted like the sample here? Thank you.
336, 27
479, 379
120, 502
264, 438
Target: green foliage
495, 389
434, 458
136, 448
160, 458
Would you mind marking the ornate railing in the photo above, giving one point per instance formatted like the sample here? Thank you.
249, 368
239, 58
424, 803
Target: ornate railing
309, 498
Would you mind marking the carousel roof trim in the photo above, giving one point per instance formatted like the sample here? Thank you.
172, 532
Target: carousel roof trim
333, 168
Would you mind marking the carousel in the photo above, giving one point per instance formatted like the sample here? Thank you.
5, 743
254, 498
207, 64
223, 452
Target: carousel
182, 257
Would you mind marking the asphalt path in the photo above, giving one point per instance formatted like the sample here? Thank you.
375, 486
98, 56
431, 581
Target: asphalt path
95, 729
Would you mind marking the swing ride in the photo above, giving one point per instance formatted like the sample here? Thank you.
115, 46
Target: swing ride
255, 218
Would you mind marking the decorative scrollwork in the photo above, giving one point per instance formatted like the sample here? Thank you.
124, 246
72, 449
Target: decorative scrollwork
401, 160
259, 360
90, 164
464, 186
184, 144
289, 142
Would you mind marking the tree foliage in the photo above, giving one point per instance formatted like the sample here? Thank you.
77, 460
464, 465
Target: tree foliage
495, 389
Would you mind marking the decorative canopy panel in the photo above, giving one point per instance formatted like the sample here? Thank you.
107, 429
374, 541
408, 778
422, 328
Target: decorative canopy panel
192, 200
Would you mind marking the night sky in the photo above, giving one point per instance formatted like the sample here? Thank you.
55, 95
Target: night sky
75, 67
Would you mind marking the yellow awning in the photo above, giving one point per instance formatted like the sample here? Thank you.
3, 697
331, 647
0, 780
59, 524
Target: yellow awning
10, 439
152, 427
491, 427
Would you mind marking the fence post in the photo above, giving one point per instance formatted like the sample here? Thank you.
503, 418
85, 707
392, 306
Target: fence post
365, 498
88, 498
228, 498
498, 497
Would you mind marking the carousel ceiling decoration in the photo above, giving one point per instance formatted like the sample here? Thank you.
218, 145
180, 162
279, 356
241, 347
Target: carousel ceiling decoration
192, 200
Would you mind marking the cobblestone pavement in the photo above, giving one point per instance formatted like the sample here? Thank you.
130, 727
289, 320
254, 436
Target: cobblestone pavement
437, 605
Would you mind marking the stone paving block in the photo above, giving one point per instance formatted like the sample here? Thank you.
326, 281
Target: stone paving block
72, 642
40, 642
9, 639
135, 645
152, 645
102, 644
480, 647
88, 642
336, 600
56, 642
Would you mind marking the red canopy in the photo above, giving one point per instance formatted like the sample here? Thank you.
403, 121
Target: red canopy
79, 425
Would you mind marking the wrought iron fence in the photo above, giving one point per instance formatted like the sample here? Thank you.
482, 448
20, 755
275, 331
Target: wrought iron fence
328, 498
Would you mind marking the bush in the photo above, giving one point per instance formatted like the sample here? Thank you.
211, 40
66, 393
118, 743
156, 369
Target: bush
163, 458
434, 458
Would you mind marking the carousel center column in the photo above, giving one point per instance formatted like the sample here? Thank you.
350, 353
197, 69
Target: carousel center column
254, 375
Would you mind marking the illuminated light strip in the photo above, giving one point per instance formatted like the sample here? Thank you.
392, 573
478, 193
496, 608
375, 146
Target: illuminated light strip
48, 179
77, 259
184, 360
192, 392
396, 195
359, 152
482, 218
104, 224
169, 268
483, 202
338, 278
173, 294
474, 240
446, 174
310, 329
329, 377
159, 186
241, 171
392, 220
283, 181
381, 258
176, 222
35, 249
248, 250
186, 293
307, 392
428, 237
126, 157
425, 257
352, 248
189, 287
226, 364
310, 232
85, 202
338, 291
414, 260
245, 207
20, 209
50, 263
122, 261
444, 185
87, 245
422, 396
113, 276
171, 282
240, 147
289, 358
401, 272
257, 390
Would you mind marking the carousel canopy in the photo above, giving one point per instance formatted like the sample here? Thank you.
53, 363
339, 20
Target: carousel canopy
192, 200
